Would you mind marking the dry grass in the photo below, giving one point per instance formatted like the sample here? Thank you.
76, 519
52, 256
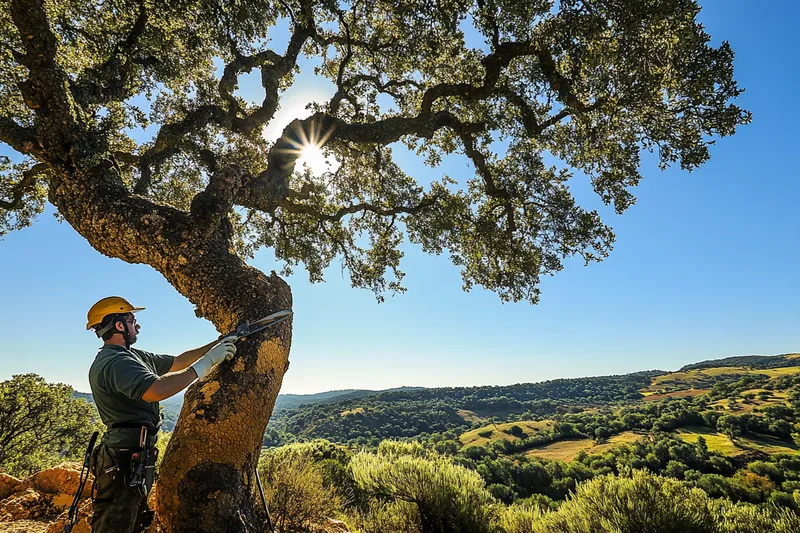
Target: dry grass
353, 411
567, 450
687, 380
468, 416
746, 406
530, 427
717, 442
652, 396
23, 526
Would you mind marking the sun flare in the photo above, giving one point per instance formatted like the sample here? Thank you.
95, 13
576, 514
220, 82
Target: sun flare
311, 156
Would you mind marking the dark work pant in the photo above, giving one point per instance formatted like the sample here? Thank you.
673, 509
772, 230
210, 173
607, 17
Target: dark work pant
118, 508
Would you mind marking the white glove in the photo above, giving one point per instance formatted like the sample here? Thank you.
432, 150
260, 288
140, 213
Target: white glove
219, 352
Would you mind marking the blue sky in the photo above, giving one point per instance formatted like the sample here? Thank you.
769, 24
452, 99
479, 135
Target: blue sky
705, 266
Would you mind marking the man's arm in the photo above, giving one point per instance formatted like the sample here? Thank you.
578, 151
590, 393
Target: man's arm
170, 384
187, 359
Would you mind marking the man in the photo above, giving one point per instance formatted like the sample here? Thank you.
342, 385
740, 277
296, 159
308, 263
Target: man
127, 385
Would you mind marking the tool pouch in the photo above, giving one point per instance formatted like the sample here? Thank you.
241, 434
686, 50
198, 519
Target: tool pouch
108, 465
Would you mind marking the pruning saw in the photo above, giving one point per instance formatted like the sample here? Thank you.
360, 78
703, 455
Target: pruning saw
246, 329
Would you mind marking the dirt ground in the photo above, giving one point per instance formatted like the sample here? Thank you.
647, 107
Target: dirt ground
23, 526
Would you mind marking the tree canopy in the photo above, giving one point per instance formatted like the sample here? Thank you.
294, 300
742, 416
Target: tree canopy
41, 424
530, 93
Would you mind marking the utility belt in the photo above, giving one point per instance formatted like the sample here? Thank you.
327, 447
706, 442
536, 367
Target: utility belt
135, 464
151, 432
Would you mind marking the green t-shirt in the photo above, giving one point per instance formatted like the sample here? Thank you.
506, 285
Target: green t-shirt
118, 378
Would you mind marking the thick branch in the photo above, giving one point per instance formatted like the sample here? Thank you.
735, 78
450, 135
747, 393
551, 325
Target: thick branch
482, 167
529, 120
20, 138
213, 204
270, 77
45, 92
40, 92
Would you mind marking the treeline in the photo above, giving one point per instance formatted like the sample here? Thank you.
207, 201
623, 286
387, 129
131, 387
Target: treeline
750, 361
367, 421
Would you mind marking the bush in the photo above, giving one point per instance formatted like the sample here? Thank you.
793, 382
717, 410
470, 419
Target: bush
747, 518
520, 518
448, 498
383, 517
644, 503
294, 488
161, 446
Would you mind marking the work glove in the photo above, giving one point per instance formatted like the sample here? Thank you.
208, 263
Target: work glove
219, 352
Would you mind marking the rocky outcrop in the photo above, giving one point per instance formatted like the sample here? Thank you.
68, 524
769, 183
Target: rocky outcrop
82, 524
43, 495
7, 485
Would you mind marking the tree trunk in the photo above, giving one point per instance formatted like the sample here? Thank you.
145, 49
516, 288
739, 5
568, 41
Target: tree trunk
206, 482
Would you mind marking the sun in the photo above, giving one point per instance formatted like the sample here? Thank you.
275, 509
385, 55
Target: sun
311, 156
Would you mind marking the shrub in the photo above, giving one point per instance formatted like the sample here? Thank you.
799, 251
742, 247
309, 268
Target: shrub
747, 518
294, 488
520, 518
448, 498
644, 503
383, 517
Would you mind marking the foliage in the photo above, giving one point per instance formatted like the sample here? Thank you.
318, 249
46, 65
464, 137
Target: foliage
520, 518
447, 497
41, 424
641, 503
591, 85
751, 361
743, 518
295, 490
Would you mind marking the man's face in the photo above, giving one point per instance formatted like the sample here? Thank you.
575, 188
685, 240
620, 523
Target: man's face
133, 328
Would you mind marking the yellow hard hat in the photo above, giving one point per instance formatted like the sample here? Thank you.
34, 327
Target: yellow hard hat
108, 306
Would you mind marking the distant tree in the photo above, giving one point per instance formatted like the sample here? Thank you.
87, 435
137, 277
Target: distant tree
730, 426
602, 433
41, 424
